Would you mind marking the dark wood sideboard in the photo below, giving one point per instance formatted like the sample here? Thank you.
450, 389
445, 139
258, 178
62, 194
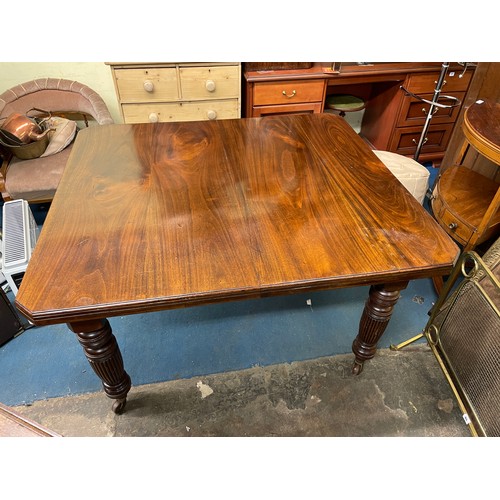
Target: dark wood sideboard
393, 119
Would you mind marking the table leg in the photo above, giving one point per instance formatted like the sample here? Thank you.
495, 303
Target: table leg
374, 320
104, 356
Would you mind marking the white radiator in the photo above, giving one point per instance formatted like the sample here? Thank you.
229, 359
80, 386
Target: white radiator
20, 233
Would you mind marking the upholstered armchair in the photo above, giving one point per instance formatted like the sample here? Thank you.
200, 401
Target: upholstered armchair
36, 180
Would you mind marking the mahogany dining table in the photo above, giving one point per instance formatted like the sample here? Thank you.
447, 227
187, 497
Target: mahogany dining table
154, 216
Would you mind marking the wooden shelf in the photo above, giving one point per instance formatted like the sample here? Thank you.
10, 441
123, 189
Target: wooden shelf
461, 199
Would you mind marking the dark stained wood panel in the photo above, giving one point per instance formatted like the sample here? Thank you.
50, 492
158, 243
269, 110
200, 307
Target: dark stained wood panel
151, 216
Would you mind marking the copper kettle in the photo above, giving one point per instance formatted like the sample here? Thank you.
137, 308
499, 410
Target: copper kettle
22, 129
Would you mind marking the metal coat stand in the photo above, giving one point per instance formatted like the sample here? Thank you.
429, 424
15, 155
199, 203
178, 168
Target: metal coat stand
434, 105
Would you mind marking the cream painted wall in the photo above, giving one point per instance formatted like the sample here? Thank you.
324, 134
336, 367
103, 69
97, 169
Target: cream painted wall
97, 75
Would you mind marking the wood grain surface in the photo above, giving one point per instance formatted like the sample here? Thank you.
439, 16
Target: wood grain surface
13, 424
482, 128
153, 216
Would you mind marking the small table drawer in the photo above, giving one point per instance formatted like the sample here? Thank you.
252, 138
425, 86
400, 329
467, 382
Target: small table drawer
453, 225
149, 84
405, 139
424, 83
181, 111
288, 92
212, 82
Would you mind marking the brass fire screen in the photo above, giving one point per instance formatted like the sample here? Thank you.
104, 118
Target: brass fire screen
464, 334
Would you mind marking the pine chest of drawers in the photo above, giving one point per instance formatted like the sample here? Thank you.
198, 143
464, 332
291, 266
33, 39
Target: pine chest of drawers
161, 92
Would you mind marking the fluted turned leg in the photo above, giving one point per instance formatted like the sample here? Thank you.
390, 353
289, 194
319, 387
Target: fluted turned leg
374, 320
104, 356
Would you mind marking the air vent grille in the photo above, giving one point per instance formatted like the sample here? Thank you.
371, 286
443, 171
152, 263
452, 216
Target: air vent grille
20, 234
15, 249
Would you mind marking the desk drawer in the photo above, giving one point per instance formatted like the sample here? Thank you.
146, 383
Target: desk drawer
216, 82
405, 140
148, 84
284, 109
420, 83
180, 111
288, 92
414, 112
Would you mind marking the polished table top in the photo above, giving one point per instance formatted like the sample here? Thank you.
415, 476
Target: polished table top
482, 128
154, 216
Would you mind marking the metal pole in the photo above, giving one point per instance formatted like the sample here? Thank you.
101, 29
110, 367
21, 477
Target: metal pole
435, 98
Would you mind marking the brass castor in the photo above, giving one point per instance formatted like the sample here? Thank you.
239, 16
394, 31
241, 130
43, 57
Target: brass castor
119, 405
357, 367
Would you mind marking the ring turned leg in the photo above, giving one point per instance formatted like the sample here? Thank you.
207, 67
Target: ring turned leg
104, 356
374, 320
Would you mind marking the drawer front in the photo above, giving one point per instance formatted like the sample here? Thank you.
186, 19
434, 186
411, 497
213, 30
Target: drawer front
405, 140
414, 112
452, 224
426, 82
287, 109
148, 84
181, 111
287, 92
216, 82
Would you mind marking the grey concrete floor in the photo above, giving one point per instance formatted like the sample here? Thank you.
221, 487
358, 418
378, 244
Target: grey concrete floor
397, 394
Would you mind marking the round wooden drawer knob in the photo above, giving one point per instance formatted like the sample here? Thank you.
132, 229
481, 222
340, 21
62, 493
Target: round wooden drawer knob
210, 85
153, 118
211, 114
149, 86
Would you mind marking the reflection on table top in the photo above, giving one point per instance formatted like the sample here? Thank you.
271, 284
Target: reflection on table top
152, 216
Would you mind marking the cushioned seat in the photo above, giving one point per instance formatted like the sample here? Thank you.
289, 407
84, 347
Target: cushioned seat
43, 178
413, 175
36, 180
344, 103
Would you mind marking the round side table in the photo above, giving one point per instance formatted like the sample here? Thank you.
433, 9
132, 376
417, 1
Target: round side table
465, 202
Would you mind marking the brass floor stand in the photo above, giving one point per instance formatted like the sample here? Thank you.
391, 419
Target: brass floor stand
471, 277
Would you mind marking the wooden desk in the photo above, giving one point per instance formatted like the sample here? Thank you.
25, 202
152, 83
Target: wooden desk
392, 120
165, 215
